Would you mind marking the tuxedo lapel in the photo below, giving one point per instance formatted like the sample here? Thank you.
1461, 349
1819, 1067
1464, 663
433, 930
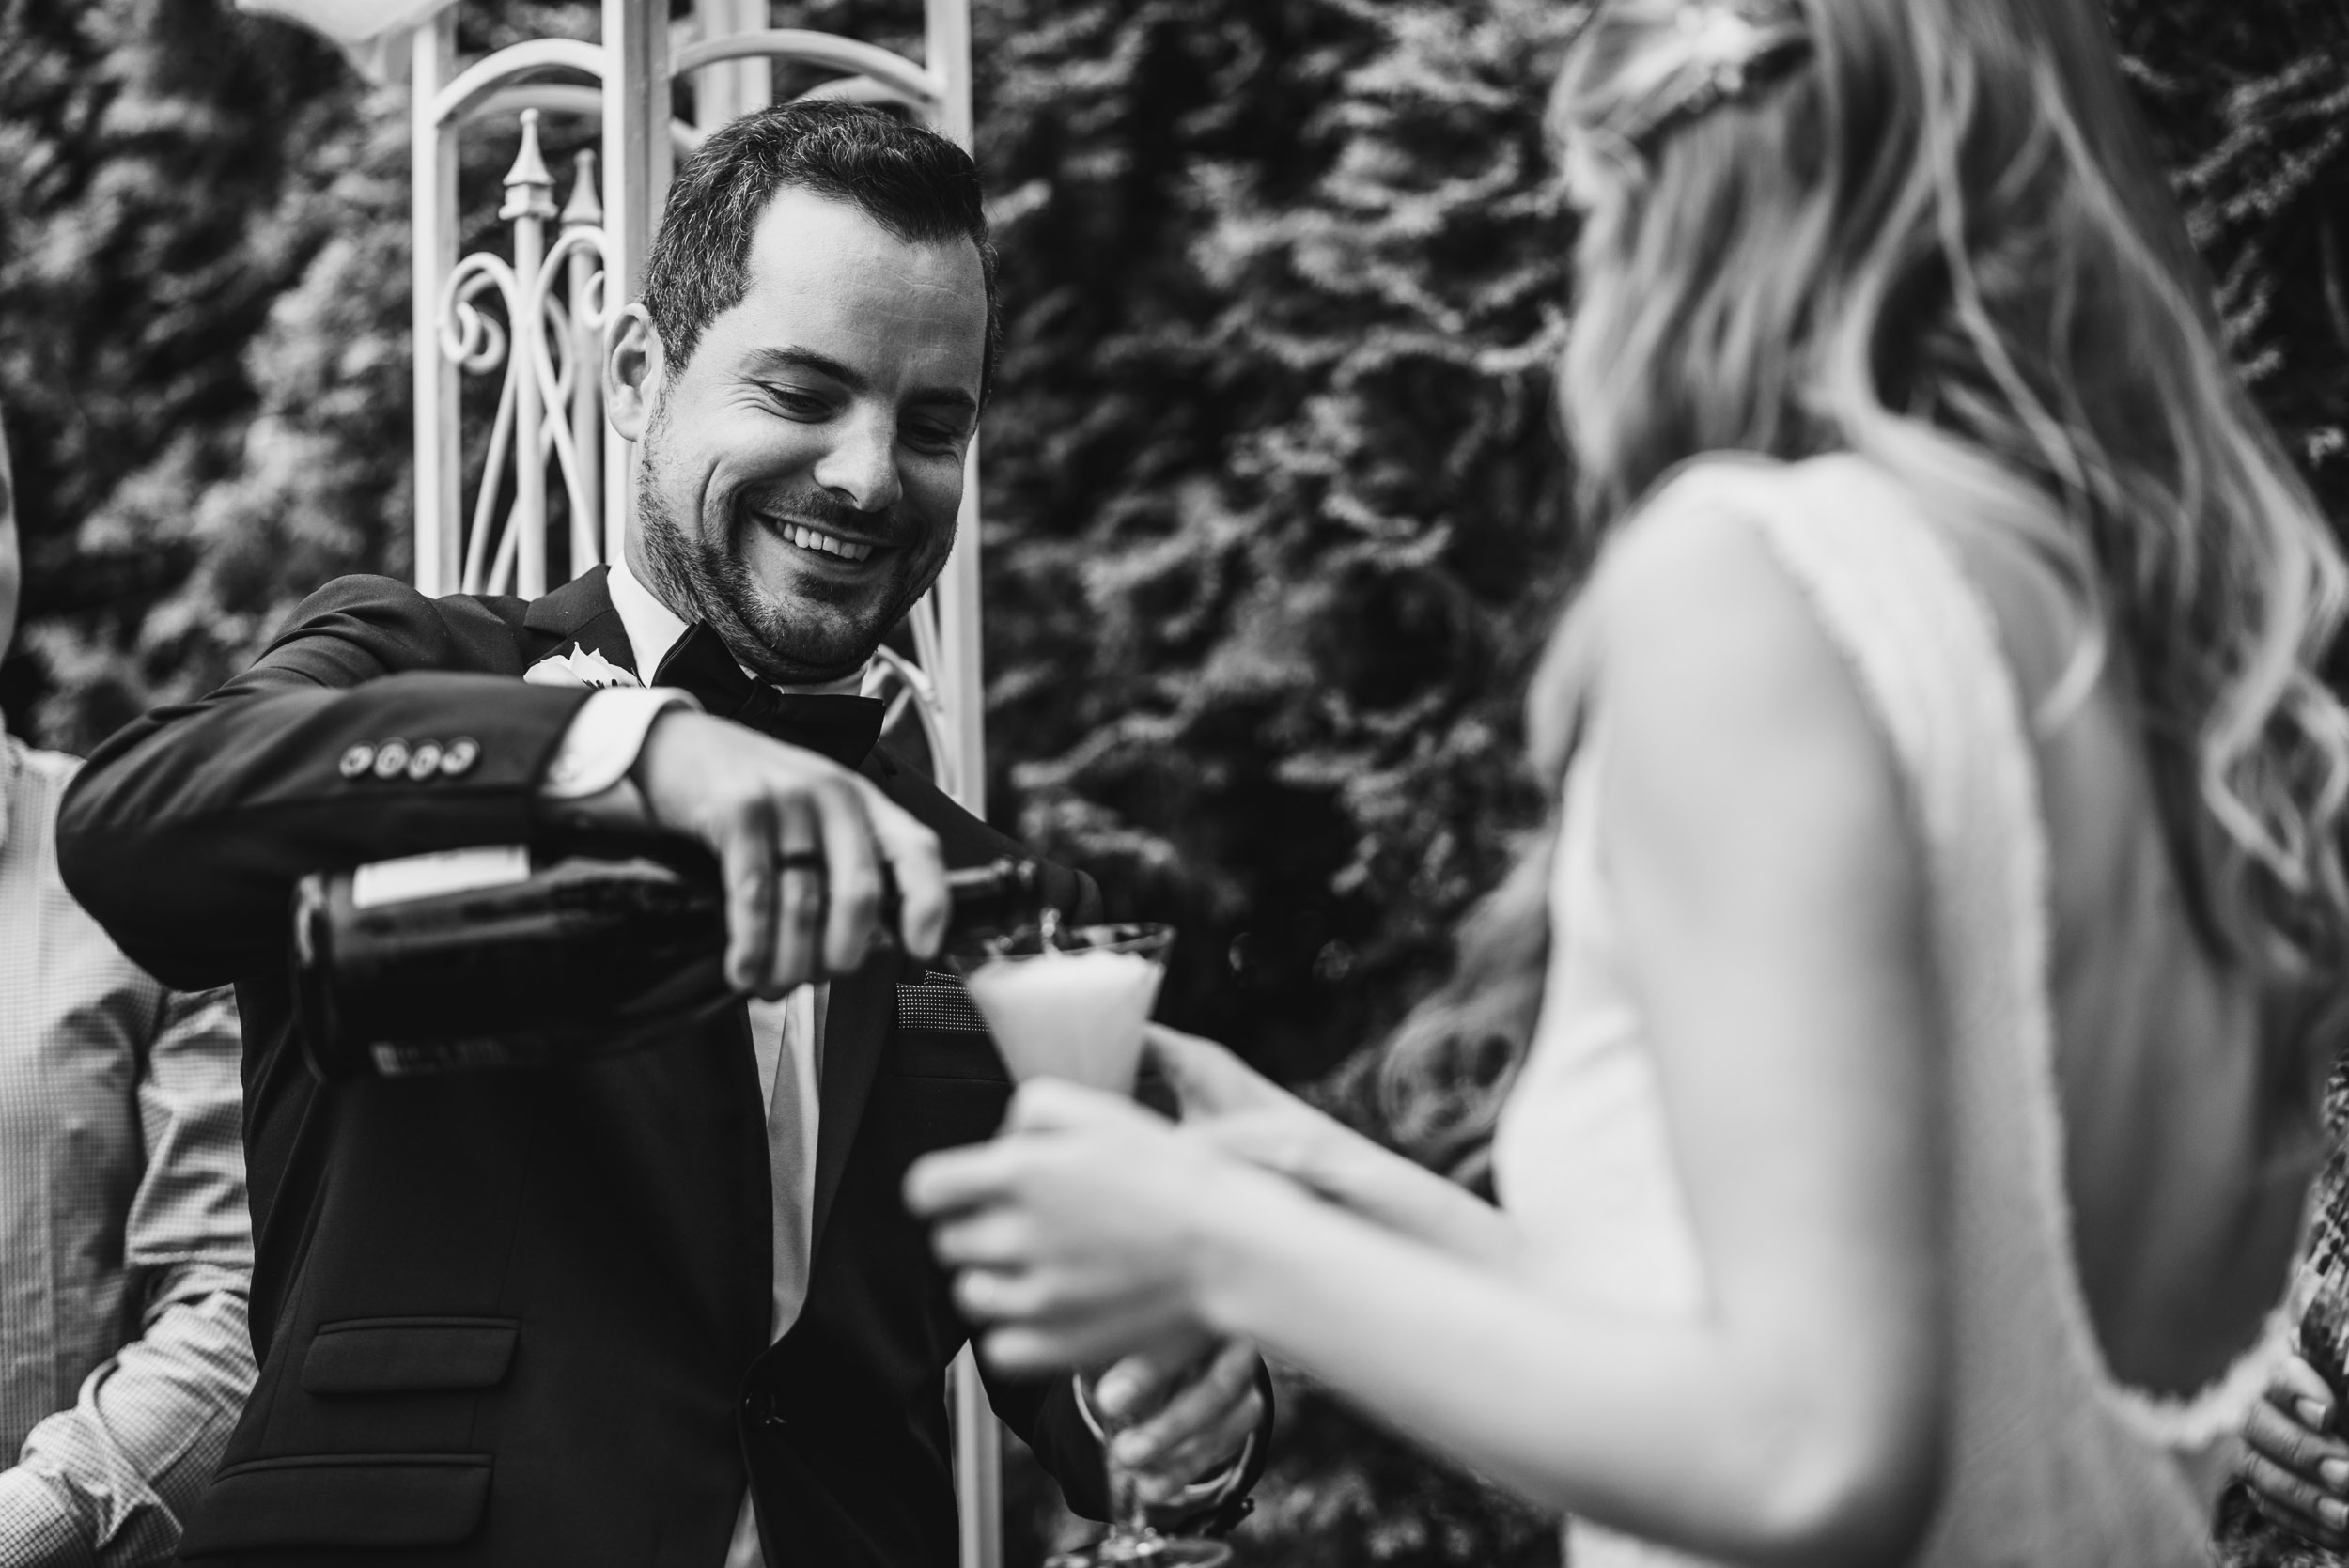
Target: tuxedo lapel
581, 612
862, 1011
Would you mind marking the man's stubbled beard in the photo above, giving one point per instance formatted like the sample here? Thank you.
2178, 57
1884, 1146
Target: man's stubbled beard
705, 578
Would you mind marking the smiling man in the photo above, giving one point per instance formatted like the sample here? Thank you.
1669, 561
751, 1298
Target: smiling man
663, 1308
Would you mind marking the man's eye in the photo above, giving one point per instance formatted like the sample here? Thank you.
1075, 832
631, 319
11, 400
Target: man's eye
798, 404
933, 438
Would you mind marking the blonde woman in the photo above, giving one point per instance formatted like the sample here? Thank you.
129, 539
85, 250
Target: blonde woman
1944, 915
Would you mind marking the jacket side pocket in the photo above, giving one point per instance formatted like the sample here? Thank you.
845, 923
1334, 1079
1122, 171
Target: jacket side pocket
356, 1499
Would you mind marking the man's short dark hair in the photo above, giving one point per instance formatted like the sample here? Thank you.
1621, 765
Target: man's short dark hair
914, 183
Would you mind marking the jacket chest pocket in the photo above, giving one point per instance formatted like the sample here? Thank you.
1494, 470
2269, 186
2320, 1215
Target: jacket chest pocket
945, 1087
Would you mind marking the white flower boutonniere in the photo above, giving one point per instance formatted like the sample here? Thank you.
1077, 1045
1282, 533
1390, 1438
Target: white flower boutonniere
579, 666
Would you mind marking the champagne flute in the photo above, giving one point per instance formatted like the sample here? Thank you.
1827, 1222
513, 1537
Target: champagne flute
1070, 1003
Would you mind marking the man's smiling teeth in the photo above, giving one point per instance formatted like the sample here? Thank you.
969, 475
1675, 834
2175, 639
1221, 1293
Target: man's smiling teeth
807, 539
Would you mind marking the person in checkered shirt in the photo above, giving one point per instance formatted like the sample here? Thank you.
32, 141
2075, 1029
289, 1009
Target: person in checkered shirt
125, 1243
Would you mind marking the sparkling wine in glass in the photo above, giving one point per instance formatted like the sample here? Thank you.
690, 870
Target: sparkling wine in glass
1071, 1002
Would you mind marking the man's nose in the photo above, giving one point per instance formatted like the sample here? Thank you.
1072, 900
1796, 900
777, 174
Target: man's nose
860, 466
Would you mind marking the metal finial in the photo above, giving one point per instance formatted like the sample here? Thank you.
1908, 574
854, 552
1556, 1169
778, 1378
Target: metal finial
586, 208
529, 188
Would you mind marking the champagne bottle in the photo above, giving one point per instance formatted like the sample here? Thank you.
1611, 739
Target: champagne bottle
517, 955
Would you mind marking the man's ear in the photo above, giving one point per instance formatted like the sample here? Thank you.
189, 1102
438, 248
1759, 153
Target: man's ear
632, 367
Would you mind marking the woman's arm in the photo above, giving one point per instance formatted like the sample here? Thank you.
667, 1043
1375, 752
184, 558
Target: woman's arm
1233, 1107
1767, 885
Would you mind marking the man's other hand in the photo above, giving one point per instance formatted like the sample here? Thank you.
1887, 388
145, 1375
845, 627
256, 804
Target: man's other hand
802, 843
1183, 1413
2297, 1471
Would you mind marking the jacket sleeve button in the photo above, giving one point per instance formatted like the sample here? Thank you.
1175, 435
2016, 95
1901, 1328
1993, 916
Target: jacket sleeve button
391, 759
459, 755
357, 761
425, 760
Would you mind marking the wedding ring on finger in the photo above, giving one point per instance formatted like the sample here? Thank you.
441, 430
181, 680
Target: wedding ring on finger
799, 893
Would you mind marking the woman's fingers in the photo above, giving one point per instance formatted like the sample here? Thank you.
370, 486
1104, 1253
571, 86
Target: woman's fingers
1210, 1080
1024, 1350
952, 1180
996, 1295
1026, 1346
984, 1238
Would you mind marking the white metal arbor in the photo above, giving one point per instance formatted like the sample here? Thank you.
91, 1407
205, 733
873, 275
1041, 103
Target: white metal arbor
568, 269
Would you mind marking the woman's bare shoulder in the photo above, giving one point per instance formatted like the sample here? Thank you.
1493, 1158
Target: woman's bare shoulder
1691, 582
1723, 692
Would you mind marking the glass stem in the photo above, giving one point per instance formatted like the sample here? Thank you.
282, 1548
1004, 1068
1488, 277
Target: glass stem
1130, 1517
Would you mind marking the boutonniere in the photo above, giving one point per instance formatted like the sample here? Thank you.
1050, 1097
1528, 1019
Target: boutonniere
579, 667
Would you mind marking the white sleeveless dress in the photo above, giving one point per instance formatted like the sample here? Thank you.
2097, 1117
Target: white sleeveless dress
2049, 1460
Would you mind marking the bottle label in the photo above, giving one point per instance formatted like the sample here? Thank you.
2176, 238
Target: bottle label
431, 876
429, 1058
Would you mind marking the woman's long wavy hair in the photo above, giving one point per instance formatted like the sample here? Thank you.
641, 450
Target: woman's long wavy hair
1935, 235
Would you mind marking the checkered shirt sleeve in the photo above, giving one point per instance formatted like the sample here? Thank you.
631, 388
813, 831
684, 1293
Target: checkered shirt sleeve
125, 1243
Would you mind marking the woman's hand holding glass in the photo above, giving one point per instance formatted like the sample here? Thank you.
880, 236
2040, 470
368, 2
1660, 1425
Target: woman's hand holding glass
1086, 1230
1067, 1009
1072, 1234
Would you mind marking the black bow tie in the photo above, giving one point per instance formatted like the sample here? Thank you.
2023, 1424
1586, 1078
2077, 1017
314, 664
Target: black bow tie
842, 728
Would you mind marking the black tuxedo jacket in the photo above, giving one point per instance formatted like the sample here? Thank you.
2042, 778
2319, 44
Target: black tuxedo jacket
521, 1319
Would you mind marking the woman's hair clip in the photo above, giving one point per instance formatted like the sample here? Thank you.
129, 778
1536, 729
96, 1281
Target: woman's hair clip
1728, 50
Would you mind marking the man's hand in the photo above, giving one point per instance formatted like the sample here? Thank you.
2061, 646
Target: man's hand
2298, 1473
1183, 1412
801, 843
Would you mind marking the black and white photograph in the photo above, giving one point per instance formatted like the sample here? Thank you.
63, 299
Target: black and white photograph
1174, 783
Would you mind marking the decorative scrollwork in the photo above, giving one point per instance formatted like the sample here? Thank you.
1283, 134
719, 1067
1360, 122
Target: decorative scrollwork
556, 349
474, 342
548, 411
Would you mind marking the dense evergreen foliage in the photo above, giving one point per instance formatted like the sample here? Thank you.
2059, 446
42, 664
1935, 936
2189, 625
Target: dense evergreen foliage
1275, 512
